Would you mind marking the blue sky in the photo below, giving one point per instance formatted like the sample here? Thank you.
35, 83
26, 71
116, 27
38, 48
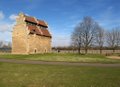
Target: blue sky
61, 15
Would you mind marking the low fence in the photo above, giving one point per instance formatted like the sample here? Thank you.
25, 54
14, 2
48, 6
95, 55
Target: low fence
7, 51
89, 51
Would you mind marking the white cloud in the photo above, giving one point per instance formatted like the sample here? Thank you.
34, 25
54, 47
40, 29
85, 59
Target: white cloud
1, 15
6, 30
6, 36
6, 27
13, 17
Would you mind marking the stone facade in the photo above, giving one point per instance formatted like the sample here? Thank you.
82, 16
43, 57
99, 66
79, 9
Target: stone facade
30, 36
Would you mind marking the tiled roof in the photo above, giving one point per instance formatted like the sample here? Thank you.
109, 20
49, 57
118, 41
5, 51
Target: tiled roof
38, 31
30, 19
36, 21
35, 29
45, 32
42, 23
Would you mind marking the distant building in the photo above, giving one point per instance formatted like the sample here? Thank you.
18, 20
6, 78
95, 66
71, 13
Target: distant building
30, 35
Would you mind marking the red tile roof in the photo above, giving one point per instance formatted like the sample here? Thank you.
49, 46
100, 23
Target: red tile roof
34, 29
36, 21
40, 22
30, 19
38, 31
45, 32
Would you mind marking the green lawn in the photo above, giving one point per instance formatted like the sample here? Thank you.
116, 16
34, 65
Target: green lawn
25, 75
67, 57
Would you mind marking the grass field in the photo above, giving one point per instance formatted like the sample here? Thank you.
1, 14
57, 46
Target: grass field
25, 75
67, 57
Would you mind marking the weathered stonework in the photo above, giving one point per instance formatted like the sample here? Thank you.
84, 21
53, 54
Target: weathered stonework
25, 42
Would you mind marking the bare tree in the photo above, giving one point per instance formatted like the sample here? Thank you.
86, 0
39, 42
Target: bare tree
84, 34
9, 45
100, 38
89, 27
1, 43
117, 37
113, 38
77, 38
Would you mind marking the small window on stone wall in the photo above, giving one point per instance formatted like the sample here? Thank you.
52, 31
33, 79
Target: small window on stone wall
35, 51
45, 51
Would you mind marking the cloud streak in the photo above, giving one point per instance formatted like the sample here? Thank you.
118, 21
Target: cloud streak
1, 15
6, 26
13, 17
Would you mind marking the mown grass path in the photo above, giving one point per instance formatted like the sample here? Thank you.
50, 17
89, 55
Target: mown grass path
56, 63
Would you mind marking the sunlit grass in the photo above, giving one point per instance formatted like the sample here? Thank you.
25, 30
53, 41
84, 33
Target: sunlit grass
25, 75
67, 57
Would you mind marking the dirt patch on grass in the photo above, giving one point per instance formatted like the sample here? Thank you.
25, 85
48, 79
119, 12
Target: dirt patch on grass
113, 57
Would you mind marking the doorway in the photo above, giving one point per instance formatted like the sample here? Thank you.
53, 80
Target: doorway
35, 50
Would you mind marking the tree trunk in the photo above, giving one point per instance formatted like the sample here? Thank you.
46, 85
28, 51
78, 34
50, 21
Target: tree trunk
100, 50
86, 50
79, 50
113, 50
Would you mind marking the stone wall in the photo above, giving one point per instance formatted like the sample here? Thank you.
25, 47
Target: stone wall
19, 37
25, 43
39, 44
19, 40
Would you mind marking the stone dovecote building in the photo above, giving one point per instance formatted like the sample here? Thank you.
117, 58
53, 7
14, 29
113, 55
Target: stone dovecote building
30, 35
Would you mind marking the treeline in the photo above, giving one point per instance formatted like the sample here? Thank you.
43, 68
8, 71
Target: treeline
71, 48
5, 46
89, 34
